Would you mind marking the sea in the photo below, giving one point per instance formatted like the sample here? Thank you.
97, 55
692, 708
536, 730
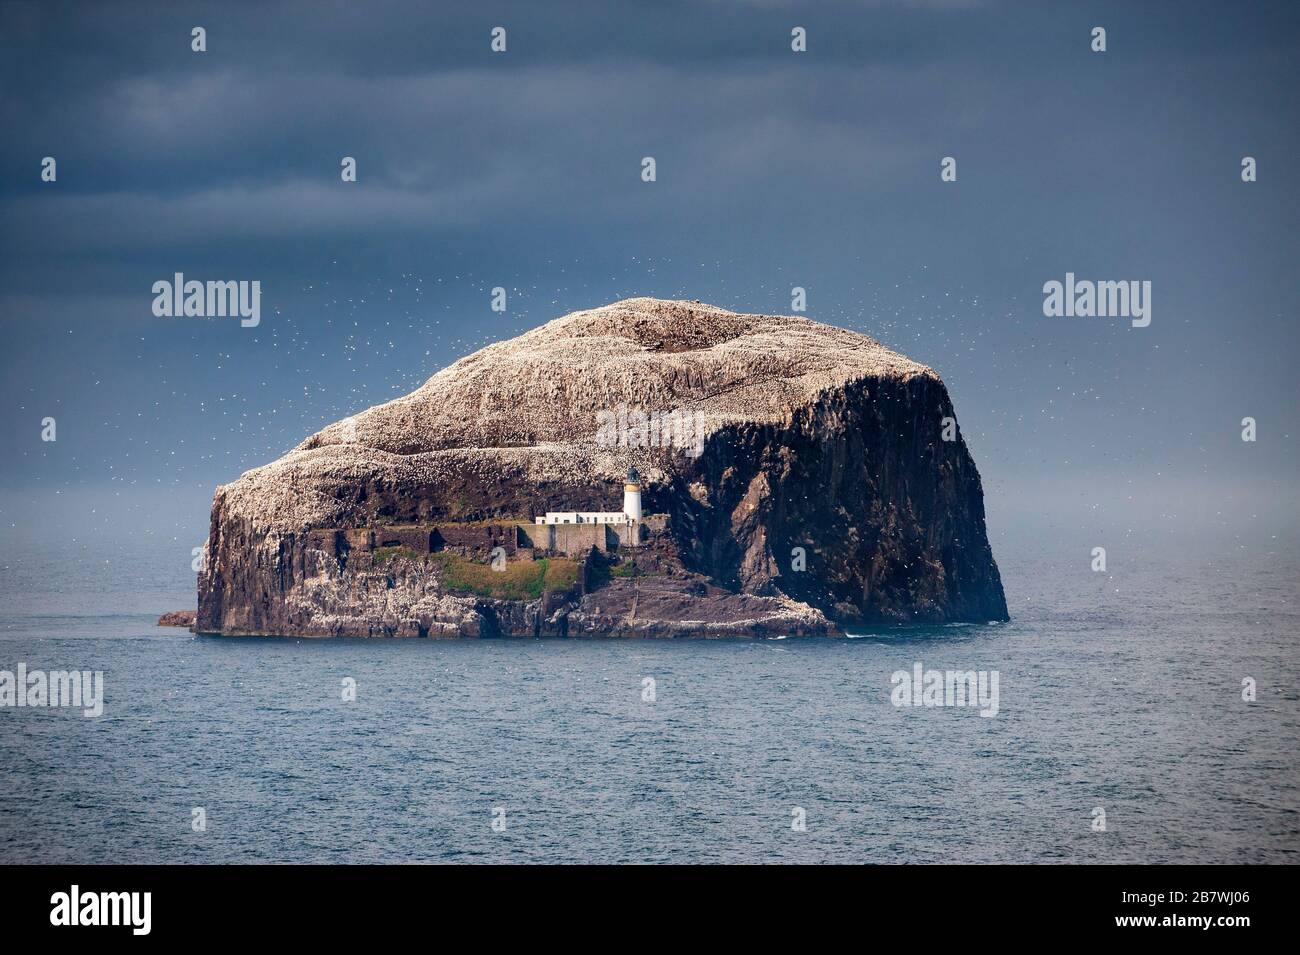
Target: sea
1146, 714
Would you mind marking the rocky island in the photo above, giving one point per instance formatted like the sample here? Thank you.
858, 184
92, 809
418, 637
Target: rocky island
778, 477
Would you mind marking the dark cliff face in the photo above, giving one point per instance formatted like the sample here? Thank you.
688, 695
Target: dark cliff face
841, 509
889, 517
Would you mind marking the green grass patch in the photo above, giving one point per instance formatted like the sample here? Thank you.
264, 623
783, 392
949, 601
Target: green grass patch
521, 580
560, 575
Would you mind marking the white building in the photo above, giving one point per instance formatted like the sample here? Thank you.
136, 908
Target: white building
631, 513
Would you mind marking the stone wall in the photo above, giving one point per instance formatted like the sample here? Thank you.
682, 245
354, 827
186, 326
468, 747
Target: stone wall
477, 541
520, 539
418, 539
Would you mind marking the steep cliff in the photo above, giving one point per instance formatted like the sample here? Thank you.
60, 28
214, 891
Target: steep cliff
802, 469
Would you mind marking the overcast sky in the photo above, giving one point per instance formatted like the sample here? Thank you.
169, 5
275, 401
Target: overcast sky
774, 169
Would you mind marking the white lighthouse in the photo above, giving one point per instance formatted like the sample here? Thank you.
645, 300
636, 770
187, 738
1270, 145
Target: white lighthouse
632, 496
631, 513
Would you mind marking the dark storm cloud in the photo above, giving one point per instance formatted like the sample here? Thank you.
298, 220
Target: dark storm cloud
428, 160
158, 147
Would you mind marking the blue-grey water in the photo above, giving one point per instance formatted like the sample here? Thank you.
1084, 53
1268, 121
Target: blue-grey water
1120, 690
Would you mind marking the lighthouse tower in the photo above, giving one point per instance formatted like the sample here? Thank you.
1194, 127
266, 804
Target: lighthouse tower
632, 496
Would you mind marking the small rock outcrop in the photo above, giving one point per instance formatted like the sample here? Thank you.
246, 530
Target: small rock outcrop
177, 618
798, 473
